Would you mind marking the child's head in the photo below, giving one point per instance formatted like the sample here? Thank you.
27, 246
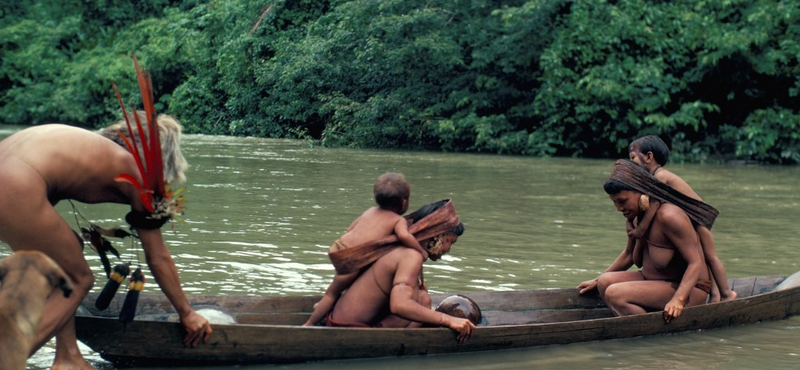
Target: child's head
392, 191
650, 143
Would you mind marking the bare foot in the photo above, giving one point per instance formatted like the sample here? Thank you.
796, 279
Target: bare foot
73, 363
730, 296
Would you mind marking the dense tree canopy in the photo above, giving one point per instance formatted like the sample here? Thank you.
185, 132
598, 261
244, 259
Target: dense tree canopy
717, 79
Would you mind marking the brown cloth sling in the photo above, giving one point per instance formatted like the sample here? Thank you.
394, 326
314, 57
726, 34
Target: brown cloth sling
355, 258
633, 175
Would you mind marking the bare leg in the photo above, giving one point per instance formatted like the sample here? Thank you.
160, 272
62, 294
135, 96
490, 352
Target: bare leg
68, 355
714, 297
718, 275
609, 278
35, 225
636, 297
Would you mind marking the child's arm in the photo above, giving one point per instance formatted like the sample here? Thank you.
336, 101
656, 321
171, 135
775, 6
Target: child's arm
644, 223
401, 230
325, 305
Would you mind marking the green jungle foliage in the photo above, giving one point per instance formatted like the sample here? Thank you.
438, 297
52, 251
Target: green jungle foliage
717, 79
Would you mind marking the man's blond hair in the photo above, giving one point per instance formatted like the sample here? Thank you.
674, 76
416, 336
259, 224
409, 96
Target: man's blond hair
169, 131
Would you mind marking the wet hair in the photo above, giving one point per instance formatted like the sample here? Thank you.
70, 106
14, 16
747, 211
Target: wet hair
169, 131
627, 175
390, 190
613, 187
654, 144
427, 209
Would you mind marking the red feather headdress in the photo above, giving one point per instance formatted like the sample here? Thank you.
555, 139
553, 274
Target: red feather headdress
157, 197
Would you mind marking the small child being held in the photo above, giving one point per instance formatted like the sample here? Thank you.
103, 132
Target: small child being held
652, 153
392, 192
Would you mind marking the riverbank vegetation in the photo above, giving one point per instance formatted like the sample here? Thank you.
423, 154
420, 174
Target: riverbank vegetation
717, 79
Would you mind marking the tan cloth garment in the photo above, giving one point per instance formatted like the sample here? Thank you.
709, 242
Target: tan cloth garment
339, 245
633, 175
355, 258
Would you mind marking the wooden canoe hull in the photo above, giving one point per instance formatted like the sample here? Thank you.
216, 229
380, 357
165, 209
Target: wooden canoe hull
512, 320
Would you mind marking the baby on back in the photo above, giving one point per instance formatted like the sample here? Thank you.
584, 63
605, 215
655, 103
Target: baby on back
392, 193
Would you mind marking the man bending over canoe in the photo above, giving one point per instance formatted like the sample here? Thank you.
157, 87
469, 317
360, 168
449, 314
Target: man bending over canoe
390, 293
43, 165
674, 274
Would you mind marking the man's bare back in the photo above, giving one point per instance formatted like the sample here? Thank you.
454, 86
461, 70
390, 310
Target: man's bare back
39, 167
73, 170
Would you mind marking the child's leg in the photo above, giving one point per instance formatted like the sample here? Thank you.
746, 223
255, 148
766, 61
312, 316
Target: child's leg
717, 270
714, 295
339, 284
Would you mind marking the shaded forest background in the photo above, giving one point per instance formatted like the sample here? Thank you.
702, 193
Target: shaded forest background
717, 79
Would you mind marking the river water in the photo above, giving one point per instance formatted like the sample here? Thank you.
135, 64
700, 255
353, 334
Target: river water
262, 213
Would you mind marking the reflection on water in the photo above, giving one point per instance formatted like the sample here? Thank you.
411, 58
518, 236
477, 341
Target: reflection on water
262, 213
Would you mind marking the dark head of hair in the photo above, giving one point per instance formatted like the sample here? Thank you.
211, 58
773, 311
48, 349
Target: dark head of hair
390, 190
617, 180
615, 187
432, 207
654, 144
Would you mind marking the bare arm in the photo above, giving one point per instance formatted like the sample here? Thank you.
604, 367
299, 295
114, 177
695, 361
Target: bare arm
622, 263
325, 305
166, 274
678, 229
403, 304
401, 230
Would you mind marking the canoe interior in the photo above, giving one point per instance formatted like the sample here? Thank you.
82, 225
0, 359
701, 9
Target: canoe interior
498, 308
267, 329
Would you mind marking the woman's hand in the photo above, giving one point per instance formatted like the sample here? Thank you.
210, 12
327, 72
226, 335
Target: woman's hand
463, 327
587, 286
673, 309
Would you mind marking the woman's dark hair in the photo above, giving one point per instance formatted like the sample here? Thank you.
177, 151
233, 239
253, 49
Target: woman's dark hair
615, 187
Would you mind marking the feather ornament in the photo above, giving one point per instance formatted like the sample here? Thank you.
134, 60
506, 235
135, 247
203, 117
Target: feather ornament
157, 197
128, 310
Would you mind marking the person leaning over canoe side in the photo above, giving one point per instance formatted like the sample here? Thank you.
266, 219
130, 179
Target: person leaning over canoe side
42, 165
390, 292
392, 192
674, 274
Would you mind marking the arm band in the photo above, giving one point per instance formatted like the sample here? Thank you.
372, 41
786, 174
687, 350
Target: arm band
141, 220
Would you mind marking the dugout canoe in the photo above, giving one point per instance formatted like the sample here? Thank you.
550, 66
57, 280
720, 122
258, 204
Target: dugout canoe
268, 331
